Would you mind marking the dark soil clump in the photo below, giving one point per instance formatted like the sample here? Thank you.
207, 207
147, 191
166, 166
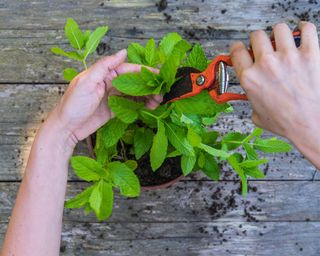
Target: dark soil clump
167, 172
162, 5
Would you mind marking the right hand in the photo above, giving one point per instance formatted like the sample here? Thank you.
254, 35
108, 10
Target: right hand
283, 85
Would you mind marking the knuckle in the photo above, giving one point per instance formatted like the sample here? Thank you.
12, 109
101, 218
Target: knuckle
309, 26
291, 58
237, 49
257, 33
280, 26
246, 78
268, 60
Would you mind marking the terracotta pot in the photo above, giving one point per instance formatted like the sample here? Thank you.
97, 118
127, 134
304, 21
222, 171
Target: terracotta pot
143, 188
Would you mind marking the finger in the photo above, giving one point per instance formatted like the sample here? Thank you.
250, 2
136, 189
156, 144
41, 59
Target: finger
158, 98
260, 43
284, 40
240, 58
128, 68
131, 68
309, 37
152, 103
103, 67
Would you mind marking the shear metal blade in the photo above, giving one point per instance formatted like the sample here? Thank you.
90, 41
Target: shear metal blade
182, 86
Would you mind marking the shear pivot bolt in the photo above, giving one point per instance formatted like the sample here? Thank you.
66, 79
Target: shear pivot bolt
200, 80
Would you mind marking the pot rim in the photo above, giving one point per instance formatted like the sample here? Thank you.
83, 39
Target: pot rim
143, 188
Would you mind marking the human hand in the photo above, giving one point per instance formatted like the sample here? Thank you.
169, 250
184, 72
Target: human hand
283, 84
83, 108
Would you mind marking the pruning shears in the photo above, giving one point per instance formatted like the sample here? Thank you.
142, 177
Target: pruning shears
215, 79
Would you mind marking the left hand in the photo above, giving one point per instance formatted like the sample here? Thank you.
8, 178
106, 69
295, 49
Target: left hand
83, 108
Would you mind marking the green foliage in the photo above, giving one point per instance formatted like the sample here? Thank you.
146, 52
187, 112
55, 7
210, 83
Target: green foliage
197, 58
180, 129
83, 42
159, 147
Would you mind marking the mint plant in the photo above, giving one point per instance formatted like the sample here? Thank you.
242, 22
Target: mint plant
180, 129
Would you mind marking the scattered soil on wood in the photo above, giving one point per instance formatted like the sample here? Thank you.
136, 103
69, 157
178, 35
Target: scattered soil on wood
162, 5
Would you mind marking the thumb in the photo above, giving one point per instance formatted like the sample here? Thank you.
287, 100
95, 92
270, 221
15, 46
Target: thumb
103, 67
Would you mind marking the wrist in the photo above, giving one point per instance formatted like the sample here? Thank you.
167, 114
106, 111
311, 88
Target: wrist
307, 141
57, 135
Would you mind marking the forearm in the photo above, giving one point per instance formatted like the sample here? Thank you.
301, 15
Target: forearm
35, 224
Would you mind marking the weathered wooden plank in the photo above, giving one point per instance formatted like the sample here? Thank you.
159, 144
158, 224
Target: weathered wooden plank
198, 201
25, 55
24, 106
51, 14
30, 60
189, 238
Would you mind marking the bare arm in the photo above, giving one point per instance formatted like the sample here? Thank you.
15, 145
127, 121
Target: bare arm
283, 85
35, 225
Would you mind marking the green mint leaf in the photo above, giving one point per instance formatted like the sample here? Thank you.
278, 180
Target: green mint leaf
132, 164
167, 44
213, 151
201, 159
150, 53
234, 161
129, 135
180, 50
210, 120
201, 104
252, 163
99, 149
190, 119
69, 74
187, 164
142, 142
124, 178
272, 145
254, 173
101, 199
210, 137
177, 138
257, 132
124, 109
71, 55
136, 54
168, 72
233, 140
113, 131
250, 152
197, 58
87, 168
150, 78
174, 153
210, 167
87, 209
94, 40
103, 153
86, 34
193, 138
133, 84
79, 200
74, 34
159, 147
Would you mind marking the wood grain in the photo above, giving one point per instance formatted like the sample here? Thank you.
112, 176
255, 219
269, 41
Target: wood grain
281, 214
197, 201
